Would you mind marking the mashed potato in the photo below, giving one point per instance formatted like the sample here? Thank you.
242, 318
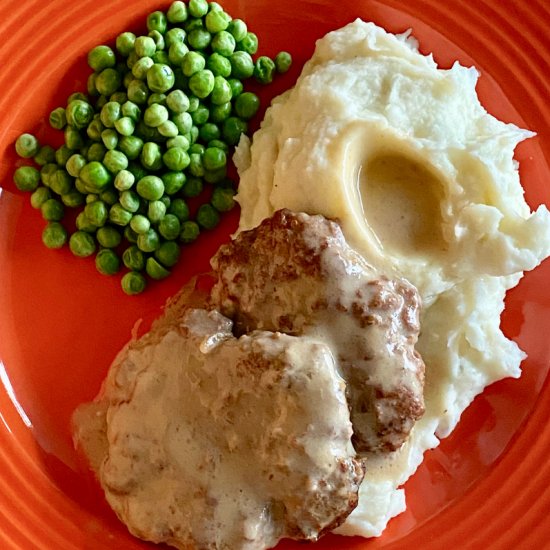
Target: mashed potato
425, 186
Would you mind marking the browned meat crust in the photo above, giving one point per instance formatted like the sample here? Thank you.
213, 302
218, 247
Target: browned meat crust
296, 274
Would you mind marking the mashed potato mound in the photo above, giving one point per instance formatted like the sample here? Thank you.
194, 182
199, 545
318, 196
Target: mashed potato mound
424, 184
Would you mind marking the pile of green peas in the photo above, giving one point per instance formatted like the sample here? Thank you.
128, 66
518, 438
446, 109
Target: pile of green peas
161, 115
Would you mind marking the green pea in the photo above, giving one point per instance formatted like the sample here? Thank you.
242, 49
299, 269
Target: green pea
108, 237
160, 78
125, 126
40, 196
177, 101
46, 173
101, 57
169, 227
158, 38
72, 199
219, 65
232, 129
155, 270
207, 216
197, 8
192, 63
130, 235
96, 152
219, 144
283, 61
110, 113
54, 235
199, 38
264, 69
221, 91
124, 180
217, 21
119, 97
177, 52
173, 182
168, 253
197, 149
125, 43
95, 176
140, 224
79, 113
189, 231
155, 115
26, 178
209, 131
157, 98
84, 224
107, 262
58, 118
77, 96
218, 113
61, 182
194, 104
249, 43
109, 196
115, 161
223, 43
133, 258
148, 241
131, 110
130, 200
178, 207
156, 21
184, 122
238, 28
173, 36
97, 213
168, 129
196, 166
138, 92
133, 283
119, 216
214, 158
91, 88
62, 155
150, 188
193, 187
82, 244
200, 115
131, 146
178, 141
108, 81
247, 105
156, 210
177, 12
45, 155
145, 46
151, 156
137, 170
176, 159
109, 137
141, 67
95, 128
242, 65
222, 199
73, 138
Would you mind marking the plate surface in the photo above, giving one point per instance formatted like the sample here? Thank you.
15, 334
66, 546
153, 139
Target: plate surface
61, 323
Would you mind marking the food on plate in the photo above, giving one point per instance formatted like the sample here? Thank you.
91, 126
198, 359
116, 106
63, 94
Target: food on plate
296, 274
162, 113
424, 185
201, 439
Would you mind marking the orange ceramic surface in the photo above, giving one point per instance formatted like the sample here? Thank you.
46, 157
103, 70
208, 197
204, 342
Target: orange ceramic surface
61, 323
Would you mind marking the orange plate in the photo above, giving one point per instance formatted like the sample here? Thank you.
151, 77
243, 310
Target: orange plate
61, 323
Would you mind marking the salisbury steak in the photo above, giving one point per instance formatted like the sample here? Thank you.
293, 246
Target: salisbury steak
296, 274
205, 441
